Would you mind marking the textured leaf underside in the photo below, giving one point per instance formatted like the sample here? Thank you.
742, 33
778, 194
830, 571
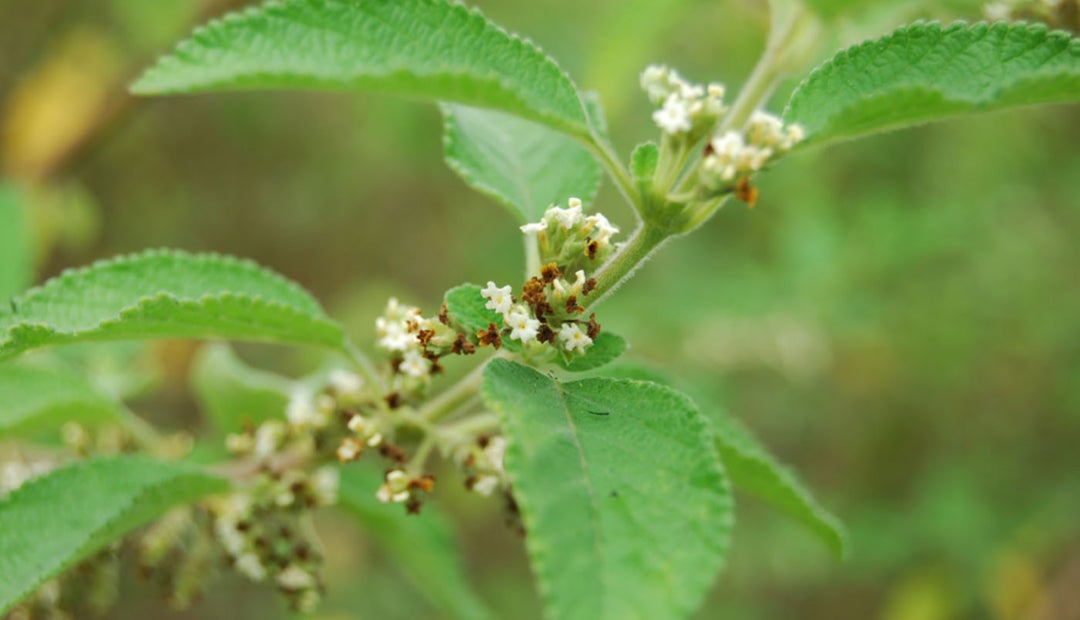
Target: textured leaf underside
623, 496
431, 49
926, 72
53, 522
525, 166
753, 470
165, 294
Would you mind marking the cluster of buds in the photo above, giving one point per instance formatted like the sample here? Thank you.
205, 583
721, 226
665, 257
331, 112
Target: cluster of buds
265, 536
734, 154
398, 487
482, 462
416, 343
685, 110
572, 239
548, 312
179, 552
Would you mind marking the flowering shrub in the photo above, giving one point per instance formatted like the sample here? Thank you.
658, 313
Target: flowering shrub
619, 484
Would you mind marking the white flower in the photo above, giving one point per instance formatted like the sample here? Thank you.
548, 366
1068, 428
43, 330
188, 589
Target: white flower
567, 218
522, 326
674, 117
249, 565
414, 364
295, 578
324, 484
301, 410
655, 82
345, 383
485, 485
496, 452
573, 338
794, 135
499, 298
764, 129
537, 227
395, 488
349, 449
268, 438
600, 228
393, 335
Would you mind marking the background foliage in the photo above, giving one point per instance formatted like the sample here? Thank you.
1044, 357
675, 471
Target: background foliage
896, 319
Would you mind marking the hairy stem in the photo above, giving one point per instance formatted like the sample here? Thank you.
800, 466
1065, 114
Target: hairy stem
645, 240
454, 396
784, 30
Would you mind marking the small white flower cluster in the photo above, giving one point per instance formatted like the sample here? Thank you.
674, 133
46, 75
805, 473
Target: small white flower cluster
483, 464
571, 238
685, 109
400, 488
366, 434
733, 154
520, 318
398, 331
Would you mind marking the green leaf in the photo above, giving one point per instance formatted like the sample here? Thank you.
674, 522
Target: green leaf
605, 348
165, 294
232, 393
34, 399
622, 493
925, 72
754, 470
643, 165
52, 522
431, 49
525, 166
16, 249
422, 545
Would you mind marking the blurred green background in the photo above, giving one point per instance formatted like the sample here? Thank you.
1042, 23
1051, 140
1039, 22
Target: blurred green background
899, 318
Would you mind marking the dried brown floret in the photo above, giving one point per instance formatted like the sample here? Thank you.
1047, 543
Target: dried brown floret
593, 329
462, 346
490, 336
550, 272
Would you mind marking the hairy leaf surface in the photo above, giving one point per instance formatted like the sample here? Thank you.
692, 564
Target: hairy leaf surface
422, 545
926, 72
432, 49
54, 521
165, 294
623, 496
523, 165
754, 470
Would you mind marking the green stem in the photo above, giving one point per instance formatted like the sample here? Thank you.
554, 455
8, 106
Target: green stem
784, 28
365, 367
618, 173
480, 423
416, 464
453, 397
645, 240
